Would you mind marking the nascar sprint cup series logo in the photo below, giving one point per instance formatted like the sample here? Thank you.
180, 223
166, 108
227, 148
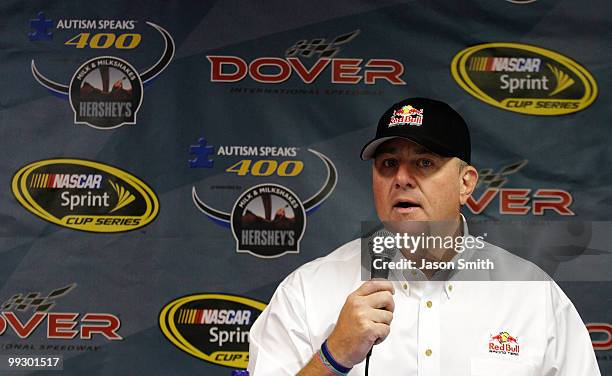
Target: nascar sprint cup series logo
524, 78
212, 327
267, 218
106, 91
85, 195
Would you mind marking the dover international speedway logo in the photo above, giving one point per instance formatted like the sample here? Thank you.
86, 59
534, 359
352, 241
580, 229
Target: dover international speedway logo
517, 200
524, 78
25, 314
276, 70
212, 327
105, 92
85, 195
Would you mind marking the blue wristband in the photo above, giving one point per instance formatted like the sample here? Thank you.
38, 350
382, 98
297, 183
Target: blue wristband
335, 365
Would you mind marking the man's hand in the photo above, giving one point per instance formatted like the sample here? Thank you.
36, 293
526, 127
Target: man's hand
363, 322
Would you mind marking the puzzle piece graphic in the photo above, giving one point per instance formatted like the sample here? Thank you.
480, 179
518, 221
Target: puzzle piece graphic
40, 25
201, 153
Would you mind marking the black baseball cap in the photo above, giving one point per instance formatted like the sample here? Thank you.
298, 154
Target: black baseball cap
428, 122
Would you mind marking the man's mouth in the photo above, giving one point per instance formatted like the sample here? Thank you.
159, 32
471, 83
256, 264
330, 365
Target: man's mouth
405, 206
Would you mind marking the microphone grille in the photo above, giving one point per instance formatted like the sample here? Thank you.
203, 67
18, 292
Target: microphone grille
387, 253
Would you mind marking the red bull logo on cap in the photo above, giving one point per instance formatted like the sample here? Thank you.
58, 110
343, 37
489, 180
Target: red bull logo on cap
504, 343
407, 115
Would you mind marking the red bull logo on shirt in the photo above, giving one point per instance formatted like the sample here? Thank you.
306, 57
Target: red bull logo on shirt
504, 343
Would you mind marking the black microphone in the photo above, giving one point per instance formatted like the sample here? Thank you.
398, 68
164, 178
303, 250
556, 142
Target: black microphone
385, 255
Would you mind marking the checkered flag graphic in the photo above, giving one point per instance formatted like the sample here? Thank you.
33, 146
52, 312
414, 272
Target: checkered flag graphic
491, 179
320, 46
34, 300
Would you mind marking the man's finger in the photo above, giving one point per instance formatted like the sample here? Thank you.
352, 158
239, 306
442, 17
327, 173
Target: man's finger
381, 331
382, 316
371, 287
381, 299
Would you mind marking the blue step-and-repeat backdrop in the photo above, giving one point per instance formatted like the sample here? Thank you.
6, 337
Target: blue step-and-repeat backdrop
139, 137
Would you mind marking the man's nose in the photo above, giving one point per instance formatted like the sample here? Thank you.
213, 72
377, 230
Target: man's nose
404, 176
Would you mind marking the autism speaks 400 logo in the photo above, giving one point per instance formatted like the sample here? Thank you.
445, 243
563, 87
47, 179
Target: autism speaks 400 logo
85, 195
267, 219
105, 92
523, 78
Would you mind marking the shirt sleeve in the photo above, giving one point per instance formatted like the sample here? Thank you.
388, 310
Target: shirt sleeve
569, 351
279, 342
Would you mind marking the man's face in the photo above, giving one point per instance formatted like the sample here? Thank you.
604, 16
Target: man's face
412, 183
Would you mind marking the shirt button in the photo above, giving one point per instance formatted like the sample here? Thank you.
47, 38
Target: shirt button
428, 352
405, 286
450, 287
429, 304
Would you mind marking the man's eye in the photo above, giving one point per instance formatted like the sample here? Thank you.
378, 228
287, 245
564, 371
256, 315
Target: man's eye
389, 163
426, 163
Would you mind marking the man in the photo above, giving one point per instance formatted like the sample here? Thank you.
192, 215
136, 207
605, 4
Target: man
323, 319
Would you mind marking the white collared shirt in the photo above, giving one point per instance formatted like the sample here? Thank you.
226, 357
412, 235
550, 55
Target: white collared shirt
439, 328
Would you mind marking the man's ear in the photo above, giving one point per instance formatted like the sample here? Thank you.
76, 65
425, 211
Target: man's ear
468, 177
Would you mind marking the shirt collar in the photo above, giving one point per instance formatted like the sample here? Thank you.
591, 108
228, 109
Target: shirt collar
407, 279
